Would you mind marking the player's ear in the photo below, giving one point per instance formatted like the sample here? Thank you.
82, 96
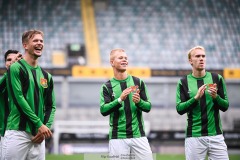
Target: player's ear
112, 64
190, 61
24, 45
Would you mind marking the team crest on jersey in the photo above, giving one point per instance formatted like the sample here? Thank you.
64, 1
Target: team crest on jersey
43, 83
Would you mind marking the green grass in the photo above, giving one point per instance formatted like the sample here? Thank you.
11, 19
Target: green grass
99, 157
65, 157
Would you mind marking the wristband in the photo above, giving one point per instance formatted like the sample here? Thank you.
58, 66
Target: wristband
119, 100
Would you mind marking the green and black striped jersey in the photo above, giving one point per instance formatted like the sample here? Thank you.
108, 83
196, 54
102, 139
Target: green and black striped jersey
31, 97
126, 119
4, 109
203, 118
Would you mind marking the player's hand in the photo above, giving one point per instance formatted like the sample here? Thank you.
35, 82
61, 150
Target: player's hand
212, 91
45, 131
125, 93
17, 57
136, 97
200, 92
39, 138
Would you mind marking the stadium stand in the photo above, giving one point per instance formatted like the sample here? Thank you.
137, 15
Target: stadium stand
150, 31
60, 21
158, 33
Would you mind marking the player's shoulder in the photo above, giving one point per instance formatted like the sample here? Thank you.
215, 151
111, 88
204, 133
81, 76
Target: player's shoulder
137, 81
16, 66
215, 74
46, 73
135, 78
44, 70
107, 83
184, 78
3, 77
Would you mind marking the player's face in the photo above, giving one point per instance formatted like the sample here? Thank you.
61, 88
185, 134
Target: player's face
120, 61
198, 59
35, 45
9, 59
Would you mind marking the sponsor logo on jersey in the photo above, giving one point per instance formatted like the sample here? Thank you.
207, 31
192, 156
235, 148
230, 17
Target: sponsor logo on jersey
43, 83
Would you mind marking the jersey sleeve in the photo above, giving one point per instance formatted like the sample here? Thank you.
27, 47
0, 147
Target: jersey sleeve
3, 83
107, 106
222, 99
50, 104
15, 72
183, 102
144, 104
2, 104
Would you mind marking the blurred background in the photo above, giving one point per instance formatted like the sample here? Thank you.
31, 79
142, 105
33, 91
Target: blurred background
156, 35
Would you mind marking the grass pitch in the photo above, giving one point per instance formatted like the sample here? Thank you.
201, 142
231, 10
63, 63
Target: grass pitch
99, 157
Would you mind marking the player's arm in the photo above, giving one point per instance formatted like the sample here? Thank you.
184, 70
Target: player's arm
183, 102
50, 104
15, 72
49, 112
107, 106
144, 103
3, 83
221, 99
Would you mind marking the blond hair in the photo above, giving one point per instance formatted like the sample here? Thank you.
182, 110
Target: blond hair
112, 53
29, 34
193, 49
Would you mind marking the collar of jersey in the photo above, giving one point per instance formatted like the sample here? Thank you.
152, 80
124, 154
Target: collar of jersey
124, 80
28, 65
